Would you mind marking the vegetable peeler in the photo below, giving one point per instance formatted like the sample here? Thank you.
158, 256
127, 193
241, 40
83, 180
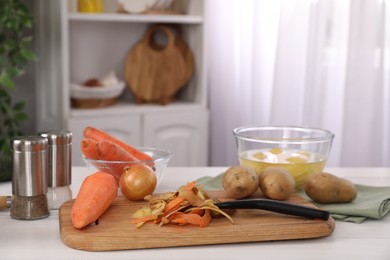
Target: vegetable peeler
276, 206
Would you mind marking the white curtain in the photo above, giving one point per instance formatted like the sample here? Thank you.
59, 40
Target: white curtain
321, 63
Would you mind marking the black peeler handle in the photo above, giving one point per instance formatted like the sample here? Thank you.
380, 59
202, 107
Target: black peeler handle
276, 206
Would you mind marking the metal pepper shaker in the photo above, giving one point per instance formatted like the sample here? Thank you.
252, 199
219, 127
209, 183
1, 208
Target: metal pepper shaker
59, 167
29, 179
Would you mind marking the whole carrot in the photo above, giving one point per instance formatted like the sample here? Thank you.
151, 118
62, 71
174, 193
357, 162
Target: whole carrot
96, 194
99, 135
89, 148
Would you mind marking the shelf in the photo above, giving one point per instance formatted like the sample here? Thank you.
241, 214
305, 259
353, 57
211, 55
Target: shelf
141, 18
122, 108
77, 46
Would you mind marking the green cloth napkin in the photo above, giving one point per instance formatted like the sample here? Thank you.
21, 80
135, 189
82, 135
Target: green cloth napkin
371, 202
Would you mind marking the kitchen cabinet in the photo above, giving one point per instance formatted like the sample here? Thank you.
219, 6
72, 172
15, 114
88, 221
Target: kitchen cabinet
76, 46
184, 132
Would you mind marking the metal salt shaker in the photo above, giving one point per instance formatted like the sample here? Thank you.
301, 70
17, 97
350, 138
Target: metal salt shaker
29, 179
60, 167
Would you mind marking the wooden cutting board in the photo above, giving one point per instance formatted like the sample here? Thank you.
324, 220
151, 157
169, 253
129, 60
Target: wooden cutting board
186, 52
156, 73
115, 232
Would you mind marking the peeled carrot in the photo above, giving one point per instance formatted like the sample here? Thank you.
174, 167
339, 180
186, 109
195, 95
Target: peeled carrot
99, 135
89, 148
109, 151
96, 194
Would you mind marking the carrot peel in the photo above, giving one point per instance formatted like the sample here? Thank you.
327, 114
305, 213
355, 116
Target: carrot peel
194, 219
189, 205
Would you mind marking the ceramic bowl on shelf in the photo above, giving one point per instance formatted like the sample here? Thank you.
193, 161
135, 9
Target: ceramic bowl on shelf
159, 162
95, 96
300, 150
145, 6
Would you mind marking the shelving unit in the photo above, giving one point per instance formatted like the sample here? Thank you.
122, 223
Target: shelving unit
94, 44
113, 17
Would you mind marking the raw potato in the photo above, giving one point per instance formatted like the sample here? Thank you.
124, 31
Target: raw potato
240, 181
327, 188
276, 183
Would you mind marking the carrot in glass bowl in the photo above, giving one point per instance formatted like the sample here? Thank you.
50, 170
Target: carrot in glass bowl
99, 135
89, 148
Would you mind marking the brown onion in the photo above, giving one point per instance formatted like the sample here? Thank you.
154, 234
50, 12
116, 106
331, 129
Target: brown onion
137, 181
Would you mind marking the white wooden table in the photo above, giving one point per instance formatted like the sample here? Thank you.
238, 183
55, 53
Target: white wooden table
40, 239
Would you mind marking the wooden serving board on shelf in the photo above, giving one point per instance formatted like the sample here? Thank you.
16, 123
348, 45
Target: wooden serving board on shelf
156, 73
115, 232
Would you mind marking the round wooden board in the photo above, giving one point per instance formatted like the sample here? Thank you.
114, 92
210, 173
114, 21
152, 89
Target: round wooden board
156, 73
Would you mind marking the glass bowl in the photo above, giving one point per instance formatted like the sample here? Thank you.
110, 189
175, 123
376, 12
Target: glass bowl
300, 150
159, 163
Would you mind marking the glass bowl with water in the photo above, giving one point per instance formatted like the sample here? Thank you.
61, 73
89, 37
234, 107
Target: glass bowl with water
300, 150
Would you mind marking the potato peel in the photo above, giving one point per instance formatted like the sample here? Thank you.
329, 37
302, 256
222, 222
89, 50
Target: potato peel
189, 205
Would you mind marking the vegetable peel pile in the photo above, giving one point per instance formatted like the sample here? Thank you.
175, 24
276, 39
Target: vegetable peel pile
188, 205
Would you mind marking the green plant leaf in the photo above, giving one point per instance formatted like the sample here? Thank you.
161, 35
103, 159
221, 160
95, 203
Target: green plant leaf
6, 81
21, 116
26, 41
2, 48
15, 37
14, 72
4, 93
19, 106
27, 54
